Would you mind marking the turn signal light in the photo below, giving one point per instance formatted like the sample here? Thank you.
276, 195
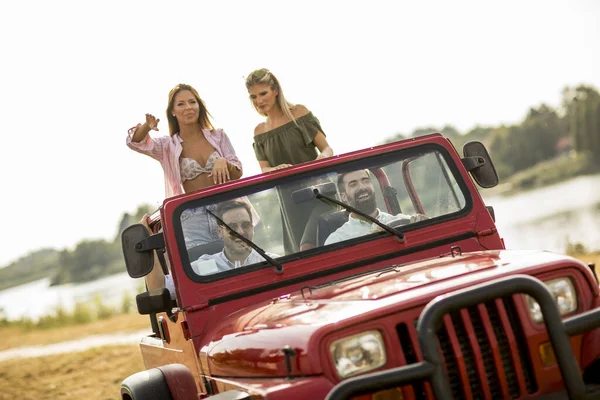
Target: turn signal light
547, 354
389, 394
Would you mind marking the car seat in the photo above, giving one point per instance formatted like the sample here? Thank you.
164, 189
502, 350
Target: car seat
196, 252
329, 223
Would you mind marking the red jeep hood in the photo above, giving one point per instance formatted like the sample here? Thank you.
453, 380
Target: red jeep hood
261, 332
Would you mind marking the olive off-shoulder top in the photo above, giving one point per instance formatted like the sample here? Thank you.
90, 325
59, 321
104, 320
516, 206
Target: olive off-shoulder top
290, 143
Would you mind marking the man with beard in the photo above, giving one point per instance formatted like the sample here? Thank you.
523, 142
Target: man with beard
238, 216
357, 190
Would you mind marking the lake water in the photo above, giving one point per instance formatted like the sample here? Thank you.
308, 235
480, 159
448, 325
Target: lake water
38, 298
550, 217
546, 218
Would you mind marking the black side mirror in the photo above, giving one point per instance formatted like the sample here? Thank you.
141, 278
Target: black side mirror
479, 163
138, 260
154, 301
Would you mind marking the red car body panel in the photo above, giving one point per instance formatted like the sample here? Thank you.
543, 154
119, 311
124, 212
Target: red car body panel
269, 334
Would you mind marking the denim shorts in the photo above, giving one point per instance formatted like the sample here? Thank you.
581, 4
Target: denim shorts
198, 226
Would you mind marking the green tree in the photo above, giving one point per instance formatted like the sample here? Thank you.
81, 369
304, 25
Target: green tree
450, 132
581, 106
89, 260
128, 219
477, 134
424, 131
543, 128
499, 148
35, 265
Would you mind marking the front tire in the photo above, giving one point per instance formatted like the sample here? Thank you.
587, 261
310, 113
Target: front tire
146, 385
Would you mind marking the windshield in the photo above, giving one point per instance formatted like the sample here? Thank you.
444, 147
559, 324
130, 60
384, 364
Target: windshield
285, 219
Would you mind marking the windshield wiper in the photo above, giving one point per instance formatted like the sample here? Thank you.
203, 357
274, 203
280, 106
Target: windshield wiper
278, 267
349, 208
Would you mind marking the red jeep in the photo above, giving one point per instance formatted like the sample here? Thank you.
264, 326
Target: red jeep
416, 300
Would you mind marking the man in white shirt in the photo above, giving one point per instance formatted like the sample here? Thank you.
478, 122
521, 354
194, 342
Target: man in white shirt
356, 189
238, 216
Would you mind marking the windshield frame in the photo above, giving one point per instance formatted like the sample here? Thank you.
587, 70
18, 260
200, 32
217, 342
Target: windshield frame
381, 159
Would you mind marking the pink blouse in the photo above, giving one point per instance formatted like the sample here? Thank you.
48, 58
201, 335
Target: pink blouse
167, 150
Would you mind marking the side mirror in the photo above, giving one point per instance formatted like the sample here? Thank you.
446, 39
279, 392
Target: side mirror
479, 163
154, 301
139, 261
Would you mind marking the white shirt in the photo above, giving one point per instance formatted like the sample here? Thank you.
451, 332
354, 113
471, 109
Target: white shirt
358, 227
209, 264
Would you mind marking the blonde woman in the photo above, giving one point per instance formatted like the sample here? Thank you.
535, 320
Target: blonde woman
290, 135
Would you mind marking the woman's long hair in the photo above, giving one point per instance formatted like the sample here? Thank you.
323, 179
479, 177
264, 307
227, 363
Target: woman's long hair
202, 117
266, 77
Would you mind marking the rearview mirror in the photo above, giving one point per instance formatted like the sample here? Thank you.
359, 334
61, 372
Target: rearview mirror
138, 260
479, 163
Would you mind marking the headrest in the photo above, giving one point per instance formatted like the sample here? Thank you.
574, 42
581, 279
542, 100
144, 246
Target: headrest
307, 194
195, 252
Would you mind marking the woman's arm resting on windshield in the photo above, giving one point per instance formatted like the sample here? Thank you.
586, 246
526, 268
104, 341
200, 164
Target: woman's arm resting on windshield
321, 143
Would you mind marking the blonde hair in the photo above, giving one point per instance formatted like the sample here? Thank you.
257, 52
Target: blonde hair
265, 77
202, 117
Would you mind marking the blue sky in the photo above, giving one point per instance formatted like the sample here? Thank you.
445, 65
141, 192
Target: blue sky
76, 75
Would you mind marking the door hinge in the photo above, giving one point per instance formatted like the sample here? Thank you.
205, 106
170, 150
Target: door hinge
487, 232
196, 307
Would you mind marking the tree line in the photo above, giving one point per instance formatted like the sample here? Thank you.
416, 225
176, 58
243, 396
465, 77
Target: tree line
571, 130
89, 260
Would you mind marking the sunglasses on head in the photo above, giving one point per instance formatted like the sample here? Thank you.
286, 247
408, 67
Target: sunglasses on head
258, 74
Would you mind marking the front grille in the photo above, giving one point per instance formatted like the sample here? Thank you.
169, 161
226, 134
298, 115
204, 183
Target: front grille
493, 362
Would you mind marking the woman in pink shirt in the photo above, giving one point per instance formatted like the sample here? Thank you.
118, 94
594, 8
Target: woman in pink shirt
194, 156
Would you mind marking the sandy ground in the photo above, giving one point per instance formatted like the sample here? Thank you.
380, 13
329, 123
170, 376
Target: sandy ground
71, 346
13, 337
74, 362
92, 374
